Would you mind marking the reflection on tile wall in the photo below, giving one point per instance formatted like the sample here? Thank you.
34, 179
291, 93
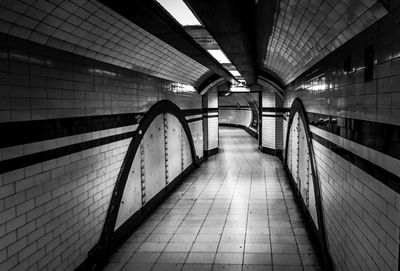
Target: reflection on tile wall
328, 89
354, 124
38, 82
89, 28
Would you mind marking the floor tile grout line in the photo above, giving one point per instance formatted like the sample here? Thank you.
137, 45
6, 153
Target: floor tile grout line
191, 247
247, 218
269, 223
229, 208
184, 217
290, 219
157, 225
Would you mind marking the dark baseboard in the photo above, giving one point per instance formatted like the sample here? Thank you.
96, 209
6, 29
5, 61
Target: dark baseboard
201, 160
313, 232
98, 258
247, 129
277, 153
208, 153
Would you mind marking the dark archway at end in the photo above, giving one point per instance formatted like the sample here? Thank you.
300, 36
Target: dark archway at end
98, 256
298, 108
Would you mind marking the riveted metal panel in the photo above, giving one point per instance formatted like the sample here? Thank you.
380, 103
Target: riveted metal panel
173, 145
132, 198
154, 165
187, 159
303, 163
294, 138
312, 205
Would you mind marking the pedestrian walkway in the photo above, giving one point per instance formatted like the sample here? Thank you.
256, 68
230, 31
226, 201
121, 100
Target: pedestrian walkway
236, 212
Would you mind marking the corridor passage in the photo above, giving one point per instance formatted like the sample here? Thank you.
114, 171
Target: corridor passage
236, 212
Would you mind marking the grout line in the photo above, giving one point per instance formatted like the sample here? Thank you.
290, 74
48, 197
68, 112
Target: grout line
205, 218
269, 224
290, 219
157, 224
229, 208
247, 217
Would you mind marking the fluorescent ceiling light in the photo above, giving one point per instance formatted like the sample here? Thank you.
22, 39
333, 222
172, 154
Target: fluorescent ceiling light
180, 11
239, 89
235, 73
219, 56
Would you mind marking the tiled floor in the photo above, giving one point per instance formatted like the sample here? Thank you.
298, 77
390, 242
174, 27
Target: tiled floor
234, 213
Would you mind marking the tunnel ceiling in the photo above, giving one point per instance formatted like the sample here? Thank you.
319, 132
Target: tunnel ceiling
306, 31
89, 28
282, 39
277, 40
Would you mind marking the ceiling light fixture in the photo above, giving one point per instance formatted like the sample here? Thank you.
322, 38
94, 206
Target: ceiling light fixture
219, 56
235, 73
180, 11
239, 89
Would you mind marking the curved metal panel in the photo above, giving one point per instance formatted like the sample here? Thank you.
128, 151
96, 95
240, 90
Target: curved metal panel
131, 200
100, 251
154, 158
298, 115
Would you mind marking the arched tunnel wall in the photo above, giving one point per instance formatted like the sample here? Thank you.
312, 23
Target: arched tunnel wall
235, 110
66, 123
354, 123
240, 110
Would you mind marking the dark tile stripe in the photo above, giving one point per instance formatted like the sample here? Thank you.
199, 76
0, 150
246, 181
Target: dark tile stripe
195, 119
210, 110
23, 132
191, 112
233, 106
379, 173
209, 117
31, 159
270, 115
276, 109
381, 137
236, 108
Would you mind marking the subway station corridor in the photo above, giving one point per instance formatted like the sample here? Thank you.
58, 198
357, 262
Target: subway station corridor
200, 135
236, 212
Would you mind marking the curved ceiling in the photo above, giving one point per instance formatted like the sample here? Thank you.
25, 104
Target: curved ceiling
89, 28
306, 31
283, 38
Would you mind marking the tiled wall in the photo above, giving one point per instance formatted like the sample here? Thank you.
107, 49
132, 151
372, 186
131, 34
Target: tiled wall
354, 125
362, 215
271, 120
210, 113
66, 124
306, 31
328, 89
89, 28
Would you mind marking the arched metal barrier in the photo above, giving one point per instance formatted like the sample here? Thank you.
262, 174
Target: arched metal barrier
111, 237
300, 163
